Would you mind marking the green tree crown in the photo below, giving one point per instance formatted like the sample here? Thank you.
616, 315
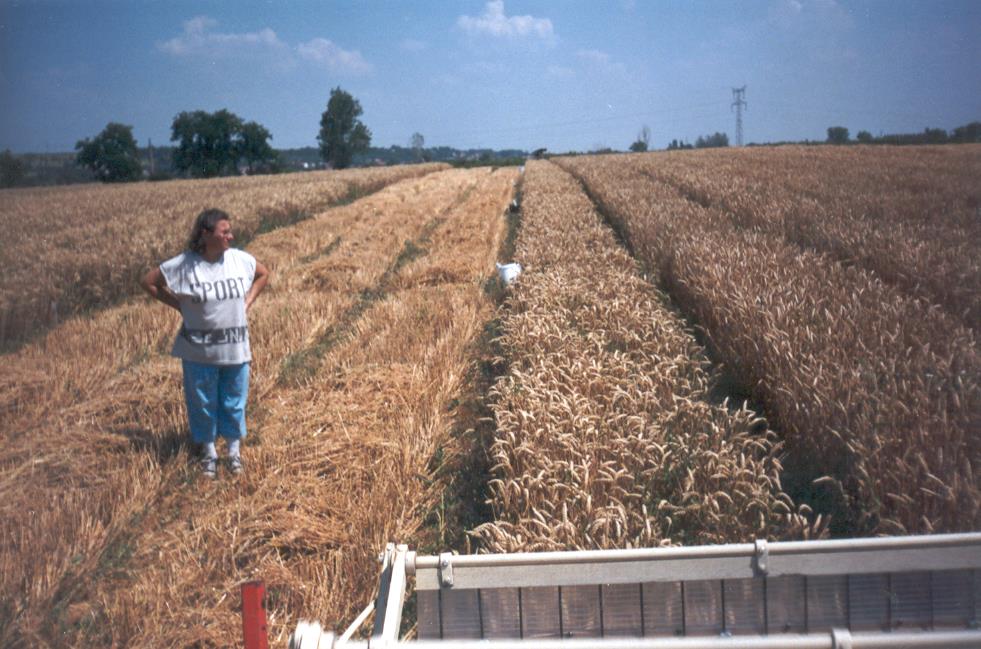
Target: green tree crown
837, 135
253, 146
341, 132
206, 142
112, 154
12, 169
716, 140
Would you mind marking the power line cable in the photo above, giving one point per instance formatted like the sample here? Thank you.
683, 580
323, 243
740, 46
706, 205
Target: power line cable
687, 111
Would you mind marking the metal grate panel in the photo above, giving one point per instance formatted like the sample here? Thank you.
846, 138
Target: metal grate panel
582, 610
759, 589
786, 605
540, 613
707, 607
623, 610
663, 609
703, 607
868, 602
744, 606
501, 613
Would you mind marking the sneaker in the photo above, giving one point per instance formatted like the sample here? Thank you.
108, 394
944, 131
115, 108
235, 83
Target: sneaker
209, 467
235, 464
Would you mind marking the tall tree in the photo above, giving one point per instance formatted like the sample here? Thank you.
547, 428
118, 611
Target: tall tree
716, 140
417, 142
643, 141
968, 133
12, 169
206, 142
112, 154
934, 135
253, 146
837, 135
341, 132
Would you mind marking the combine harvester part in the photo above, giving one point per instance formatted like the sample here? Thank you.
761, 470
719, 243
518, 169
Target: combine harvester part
913, 591
254, 631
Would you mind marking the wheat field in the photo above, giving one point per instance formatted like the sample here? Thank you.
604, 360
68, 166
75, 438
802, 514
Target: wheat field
874, 390
108, 537
607, 436
71, 249
704, 347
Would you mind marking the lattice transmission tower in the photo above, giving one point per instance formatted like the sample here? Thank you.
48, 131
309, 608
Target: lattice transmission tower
738, 96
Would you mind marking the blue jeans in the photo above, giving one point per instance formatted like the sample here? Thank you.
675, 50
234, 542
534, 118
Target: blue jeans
215, 396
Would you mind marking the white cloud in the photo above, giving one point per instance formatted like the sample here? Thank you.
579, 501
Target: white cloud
199, 24
333, 57
485, 67
602, 62
810, 14
494, 22
413, 45
197, 39
559, 71
594, 56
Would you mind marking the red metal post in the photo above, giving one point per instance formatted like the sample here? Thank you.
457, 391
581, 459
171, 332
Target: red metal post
254, 615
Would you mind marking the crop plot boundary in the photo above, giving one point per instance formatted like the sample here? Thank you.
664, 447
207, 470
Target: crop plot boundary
303, 364
461, 468
726, 388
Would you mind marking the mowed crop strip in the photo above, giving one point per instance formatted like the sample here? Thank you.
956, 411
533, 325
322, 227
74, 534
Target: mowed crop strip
606, 434
107, 535
69, 249
875, 393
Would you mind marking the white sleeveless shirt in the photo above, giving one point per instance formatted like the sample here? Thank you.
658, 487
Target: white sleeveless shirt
212, 300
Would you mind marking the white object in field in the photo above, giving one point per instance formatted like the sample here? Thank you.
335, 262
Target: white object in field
508, 272
310, 635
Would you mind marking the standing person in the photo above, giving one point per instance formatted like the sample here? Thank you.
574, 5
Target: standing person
212, 285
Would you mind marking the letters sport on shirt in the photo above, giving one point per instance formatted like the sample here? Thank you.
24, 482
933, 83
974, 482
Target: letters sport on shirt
212, 299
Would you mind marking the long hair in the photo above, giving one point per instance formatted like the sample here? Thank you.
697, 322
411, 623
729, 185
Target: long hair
206, 222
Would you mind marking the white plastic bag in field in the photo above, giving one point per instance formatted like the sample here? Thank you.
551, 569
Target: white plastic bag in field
508, 272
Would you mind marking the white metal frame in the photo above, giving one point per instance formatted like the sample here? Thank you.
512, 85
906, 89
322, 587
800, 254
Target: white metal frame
733, 561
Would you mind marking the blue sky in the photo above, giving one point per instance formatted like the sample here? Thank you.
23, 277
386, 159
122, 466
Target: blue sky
569, 75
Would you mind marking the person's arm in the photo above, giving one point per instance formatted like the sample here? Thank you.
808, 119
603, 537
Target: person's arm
156, 286
259, 281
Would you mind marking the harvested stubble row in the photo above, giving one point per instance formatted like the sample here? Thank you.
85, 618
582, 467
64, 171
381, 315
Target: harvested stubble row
334, 467
909, 216
70, 249
606, 435
108, 402
107, 536
875, 394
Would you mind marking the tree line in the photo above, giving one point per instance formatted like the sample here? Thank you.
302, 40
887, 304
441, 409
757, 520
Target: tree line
960, 135
642, 143
835, 135
222, 143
